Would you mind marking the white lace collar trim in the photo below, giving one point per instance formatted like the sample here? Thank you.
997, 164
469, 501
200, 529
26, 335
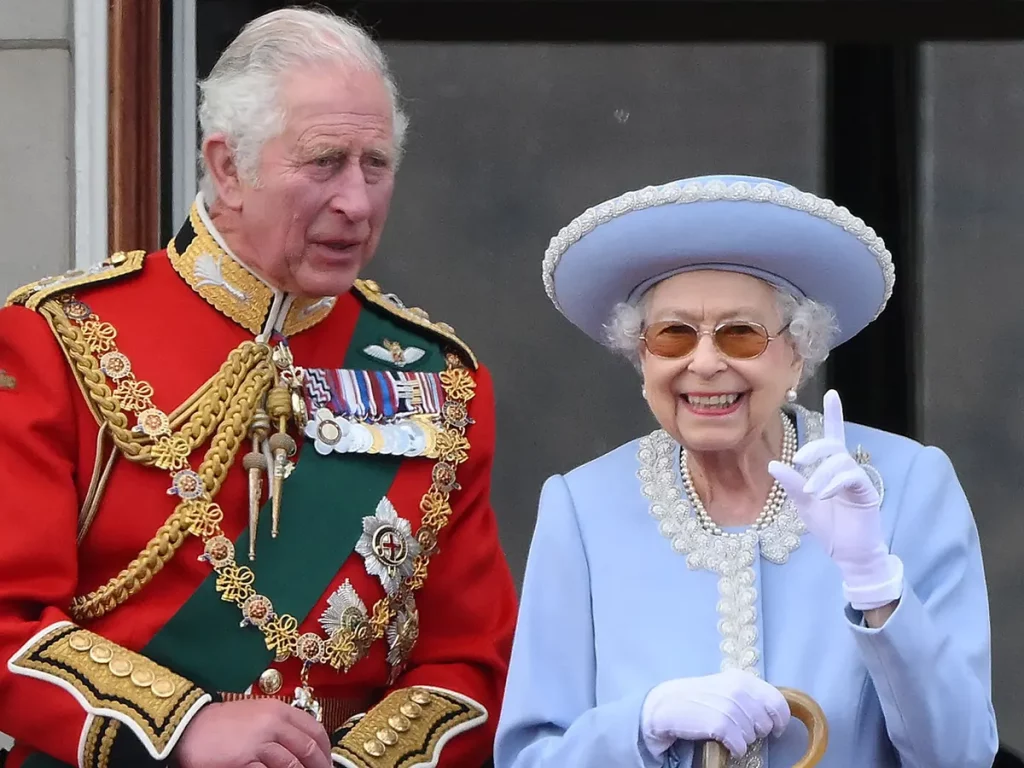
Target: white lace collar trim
661, 483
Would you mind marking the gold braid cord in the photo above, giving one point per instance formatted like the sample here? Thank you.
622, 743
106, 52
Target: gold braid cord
107, 744
85, 339
99, 742
90, 747
224, 407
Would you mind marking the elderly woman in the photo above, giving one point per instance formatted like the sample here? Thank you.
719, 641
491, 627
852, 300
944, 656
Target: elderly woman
674, 584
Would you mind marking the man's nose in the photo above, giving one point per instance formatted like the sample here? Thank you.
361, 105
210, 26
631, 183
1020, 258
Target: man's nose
351, 198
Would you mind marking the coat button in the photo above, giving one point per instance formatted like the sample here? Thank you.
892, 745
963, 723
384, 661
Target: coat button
271, 682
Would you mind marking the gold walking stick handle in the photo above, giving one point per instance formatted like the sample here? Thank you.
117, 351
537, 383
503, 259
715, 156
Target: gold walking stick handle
806, 710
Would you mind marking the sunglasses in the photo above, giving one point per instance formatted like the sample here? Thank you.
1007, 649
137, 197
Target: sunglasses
738, 339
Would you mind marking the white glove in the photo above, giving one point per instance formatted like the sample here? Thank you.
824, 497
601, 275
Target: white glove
840, 507
734, 708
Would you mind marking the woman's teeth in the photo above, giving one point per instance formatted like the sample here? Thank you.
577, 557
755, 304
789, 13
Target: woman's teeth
712, 401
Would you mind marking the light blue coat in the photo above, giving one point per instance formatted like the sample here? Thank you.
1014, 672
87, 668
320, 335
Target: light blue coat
610, 609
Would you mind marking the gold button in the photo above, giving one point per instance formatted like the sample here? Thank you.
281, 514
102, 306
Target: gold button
80, 641
118, 258
411, 710
143, 677
121, 667
373, 748
162, 689
271, 682
101, 654
387, 736
420, 697
400, 723
371, 286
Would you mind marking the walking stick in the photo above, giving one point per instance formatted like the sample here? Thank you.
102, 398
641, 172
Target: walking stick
806, 710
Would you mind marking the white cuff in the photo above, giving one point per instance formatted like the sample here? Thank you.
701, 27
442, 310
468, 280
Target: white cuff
869, 596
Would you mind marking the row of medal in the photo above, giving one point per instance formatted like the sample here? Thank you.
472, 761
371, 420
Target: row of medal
411, 436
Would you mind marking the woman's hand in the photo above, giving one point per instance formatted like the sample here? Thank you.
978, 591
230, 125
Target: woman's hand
734, 708
840, 507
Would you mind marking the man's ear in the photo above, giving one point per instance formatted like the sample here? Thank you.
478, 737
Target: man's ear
220, 163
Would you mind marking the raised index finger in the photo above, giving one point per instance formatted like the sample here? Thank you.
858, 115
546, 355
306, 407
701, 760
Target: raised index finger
833, 418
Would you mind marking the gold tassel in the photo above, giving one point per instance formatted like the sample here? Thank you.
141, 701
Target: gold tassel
255, 463
282, 446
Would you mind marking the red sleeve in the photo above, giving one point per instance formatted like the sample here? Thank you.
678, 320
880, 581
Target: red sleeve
467, 606
38, 520
62, 686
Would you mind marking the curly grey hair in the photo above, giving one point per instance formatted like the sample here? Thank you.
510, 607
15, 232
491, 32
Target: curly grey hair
240, 96
812, 328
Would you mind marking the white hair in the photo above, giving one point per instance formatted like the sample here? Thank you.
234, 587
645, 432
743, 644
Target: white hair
240, 97
811, 326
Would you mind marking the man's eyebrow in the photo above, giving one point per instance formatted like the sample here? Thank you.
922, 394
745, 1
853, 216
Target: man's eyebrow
318, 150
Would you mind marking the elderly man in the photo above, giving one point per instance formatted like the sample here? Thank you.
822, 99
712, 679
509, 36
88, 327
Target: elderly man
246, 515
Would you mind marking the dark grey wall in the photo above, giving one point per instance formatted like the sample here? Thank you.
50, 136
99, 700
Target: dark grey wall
972, 318
510, 142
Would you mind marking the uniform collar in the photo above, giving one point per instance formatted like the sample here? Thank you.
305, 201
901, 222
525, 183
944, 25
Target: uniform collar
200, 256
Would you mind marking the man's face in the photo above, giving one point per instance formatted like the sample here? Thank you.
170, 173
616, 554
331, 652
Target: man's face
314, 218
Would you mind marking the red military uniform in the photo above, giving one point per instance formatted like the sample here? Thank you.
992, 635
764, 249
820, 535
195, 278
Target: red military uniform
143, 424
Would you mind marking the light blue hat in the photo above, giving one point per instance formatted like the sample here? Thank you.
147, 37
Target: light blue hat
809, 246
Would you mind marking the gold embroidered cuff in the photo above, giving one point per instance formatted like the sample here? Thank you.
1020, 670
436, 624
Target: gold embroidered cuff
112, 682
407, 729
107, 743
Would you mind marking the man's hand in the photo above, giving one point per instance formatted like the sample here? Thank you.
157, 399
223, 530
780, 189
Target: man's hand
251, 733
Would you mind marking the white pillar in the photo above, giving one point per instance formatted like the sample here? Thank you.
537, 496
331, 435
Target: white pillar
184, 98
90, 88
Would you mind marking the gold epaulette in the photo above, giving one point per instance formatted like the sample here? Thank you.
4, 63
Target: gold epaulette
371, 292
117, 265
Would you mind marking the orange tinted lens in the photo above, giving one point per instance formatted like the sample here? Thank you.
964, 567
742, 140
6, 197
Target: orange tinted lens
671, 339
741, 340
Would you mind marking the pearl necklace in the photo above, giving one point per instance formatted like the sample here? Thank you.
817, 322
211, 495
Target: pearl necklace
776, 496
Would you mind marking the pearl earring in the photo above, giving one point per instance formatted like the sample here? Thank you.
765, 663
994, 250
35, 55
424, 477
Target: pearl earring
643, 391
790, 395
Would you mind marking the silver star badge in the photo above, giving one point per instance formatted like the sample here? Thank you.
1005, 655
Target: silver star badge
402, 634
345, 610
388, 546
